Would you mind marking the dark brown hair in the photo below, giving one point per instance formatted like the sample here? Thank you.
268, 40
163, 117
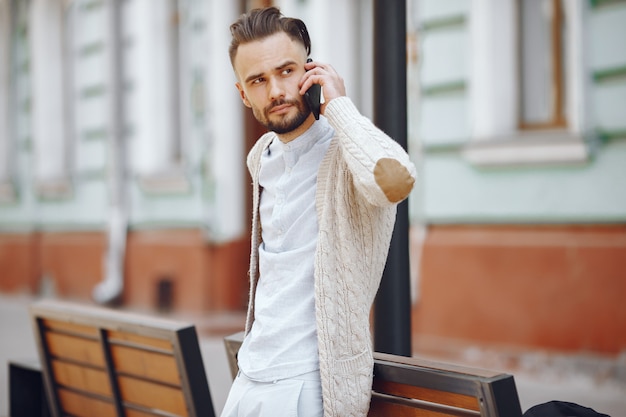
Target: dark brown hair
261, 23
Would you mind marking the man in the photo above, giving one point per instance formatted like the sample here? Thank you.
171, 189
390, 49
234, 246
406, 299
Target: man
324, 196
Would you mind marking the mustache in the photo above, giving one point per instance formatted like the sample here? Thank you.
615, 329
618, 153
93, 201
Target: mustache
280, 102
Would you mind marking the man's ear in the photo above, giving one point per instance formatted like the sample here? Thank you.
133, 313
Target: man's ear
243, 95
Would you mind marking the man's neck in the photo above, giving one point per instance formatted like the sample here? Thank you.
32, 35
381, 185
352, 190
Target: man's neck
289, 136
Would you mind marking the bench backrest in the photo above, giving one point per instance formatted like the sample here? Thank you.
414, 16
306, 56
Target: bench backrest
411, 387
98, 361
415, 387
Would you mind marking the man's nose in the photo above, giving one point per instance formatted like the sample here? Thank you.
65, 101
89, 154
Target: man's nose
276, 89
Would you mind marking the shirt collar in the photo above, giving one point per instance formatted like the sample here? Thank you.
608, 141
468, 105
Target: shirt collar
318, 130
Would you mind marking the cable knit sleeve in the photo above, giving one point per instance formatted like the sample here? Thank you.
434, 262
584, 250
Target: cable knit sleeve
381, 168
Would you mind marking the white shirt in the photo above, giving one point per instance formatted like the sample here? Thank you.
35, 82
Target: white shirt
282, 342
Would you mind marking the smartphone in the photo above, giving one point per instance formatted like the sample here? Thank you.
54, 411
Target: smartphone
313, 97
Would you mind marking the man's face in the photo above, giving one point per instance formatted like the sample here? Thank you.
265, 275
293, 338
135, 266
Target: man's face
268, 72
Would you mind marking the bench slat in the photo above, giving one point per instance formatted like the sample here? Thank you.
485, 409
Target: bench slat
118, 336
145, 364
153, 395
83, 406
138, 413
83, 378
383, 405
435, 396
68, 327
75, 349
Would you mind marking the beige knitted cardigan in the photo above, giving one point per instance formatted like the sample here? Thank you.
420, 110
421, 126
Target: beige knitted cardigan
362, 176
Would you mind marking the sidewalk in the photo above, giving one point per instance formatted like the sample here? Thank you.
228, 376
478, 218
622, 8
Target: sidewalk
593, 381
590, 381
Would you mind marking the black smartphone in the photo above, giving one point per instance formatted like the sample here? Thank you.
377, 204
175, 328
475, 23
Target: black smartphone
313, 98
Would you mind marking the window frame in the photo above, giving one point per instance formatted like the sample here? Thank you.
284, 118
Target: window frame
556, 119
497, 139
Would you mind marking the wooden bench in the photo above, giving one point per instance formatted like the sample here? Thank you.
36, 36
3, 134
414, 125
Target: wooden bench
412, 387
101, 362
98, 361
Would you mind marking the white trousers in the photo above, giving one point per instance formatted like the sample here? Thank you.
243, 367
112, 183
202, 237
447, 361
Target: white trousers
300, 396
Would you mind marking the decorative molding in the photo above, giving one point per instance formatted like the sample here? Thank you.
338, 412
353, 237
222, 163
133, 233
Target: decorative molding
166, 224
97, 90
525, 220
610, 74
611, 135
92, 48
444, 88
445, 22
91, 5
600, 3
92, 174
450, 146
52, 190
173, 182
99, 133
8, 193
528, 148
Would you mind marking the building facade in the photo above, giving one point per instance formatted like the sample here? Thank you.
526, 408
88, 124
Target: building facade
521, 121
121, 147
123, 143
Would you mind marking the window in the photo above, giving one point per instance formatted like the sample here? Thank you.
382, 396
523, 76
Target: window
542, 71
527, 84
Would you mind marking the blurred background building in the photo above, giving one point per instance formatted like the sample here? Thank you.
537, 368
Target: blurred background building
123, 143
521, 119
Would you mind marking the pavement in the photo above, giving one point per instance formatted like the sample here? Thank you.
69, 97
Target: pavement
594, 381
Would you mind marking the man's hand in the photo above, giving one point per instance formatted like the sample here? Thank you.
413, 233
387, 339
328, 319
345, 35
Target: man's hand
326, 76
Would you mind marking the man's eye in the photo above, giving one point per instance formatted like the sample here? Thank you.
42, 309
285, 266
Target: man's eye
258, 81
287, 71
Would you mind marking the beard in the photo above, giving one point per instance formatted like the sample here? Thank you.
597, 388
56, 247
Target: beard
285, 124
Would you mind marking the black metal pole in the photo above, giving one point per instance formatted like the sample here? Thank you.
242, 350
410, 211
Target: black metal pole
392, 309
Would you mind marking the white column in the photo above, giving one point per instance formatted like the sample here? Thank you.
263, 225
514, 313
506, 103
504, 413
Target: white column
5, 47
338, 38
151, 32
225, 127
579, 115
46, 42
335, 32
493, 85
